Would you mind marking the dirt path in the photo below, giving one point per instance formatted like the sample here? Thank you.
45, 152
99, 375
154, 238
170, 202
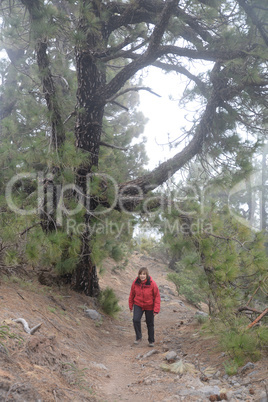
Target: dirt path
131, 373
134, 372
73, 357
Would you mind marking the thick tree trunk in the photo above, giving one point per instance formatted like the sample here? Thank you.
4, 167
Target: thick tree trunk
91, 79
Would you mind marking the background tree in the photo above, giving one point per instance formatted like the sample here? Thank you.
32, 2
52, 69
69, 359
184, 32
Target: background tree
105, 44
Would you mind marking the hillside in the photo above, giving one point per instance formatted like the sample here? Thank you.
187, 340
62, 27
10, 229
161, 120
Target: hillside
73, 357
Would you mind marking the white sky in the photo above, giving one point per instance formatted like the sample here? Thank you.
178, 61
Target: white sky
165, 116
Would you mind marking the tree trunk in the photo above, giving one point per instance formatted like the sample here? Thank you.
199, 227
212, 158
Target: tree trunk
84, 278
91, 79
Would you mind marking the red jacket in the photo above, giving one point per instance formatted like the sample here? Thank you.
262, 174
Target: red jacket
145, 295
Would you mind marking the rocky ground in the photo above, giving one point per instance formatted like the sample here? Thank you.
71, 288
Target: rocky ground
74, 357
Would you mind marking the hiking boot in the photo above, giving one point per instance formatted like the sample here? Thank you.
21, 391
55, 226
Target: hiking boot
137, 341
151, 344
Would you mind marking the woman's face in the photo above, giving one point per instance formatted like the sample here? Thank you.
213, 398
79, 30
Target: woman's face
142, 276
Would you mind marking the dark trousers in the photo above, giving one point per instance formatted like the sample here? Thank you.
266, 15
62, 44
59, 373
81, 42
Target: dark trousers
149, 316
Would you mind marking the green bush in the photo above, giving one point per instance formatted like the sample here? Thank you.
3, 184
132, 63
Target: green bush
173, 277
186, 287
242, 344
5, 333
230, 367
117, 253
109, 302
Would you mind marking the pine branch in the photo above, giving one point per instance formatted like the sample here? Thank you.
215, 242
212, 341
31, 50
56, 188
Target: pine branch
226, 239
29, 228
120, 105
133, 13
252, 15
105, 144
145, 59
133, 89
209, 55
182, 70
124, 53
74, 113
256, 290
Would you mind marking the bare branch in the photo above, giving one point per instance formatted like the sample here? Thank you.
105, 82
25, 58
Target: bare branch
226, 238
26, 327
105, 144
182, 70
246, 308
258, 318
149, 56
133, 89
29, 228
119, 104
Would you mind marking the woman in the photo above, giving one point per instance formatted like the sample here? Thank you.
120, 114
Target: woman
144, 296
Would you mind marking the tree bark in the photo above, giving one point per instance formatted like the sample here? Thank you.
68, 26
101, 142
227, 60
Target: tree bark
91, 79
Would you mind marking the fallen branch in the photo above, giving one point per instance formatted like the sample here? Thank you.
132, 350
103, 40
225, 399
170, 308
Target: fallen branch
26, 326
258, 318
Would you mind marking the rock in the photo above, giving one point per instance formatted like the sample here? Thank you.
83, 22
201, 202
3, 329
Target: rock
171, 356
93, 314
208, 390
248, 366
164, 297
254, 372
99, 366
263, 397
229, 395
201, 314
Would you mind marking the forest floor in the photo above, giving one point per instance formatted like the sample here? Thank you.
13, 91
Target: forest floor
73, 357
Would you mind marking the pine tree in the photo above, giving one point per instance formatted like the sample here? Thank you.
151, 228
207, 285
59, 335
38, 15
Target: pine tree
79, 57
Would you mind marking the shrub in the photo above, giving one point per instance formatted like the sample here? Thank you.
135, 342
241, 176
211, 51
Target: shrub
242, 344
186, 287
174, 277
109, 302
117, 253
230, 367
